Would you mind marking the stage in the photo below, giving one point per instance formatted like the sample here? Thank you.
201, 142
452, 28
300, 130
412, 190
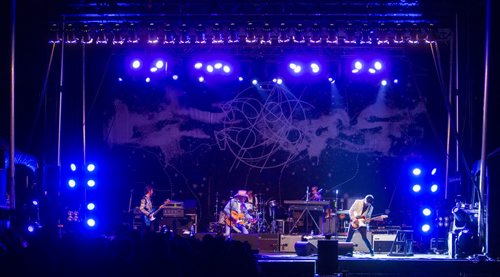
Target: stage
279, 264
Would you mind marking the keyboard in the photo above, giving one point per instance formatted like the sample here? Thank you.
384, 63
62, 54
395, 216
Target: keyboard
303, 202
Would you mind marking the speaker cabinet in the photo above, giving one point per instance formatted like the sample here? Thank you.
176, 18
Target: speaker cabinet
181, 225
305, 248
328, 261
287, 243
382, 243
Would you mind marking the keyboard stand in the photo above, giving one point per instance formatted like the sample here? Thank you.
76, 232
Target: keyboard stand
309, 215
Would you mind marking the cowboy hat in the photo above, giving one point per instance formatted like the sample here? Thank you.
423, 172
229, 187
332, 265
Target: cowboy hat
242, 193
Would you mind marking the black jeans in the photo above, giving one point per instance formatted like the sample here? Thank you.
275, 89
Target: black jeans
362, 231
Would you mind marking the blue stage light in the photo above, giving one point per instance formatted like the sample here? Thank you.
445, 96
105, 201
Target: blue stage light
198, 65
358, 65
426, 228
226, 69
148, 80
90, 206
35, 202
159, 64
416, 171
71, 183
91, 222
90, 167
314, 67
31, 228
433, 172
136, 64
210, 69
434, 187
73, 167
377, 65
426, 212
254, 82
240, 78
217, 66
371, 70
416, 188
201, 79
383, 83
91, 183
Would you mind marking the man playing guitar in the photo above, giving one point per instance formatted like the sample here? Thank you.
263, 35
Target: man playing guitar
237, 216
360, 213
146, 208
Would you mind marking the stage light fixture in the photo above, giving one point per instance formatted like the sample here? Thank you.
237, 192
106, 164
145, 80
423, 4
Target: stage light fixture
168, 34
117, 35
266, 34
233, 33
254, 82
226, 69
355, 71
91, 222
299, 34
417, 171
358, 65
396, 81
147, 80
333, 36
433, 172
377, 65
210, 68
383, 83
153, 69
314, 67
417, 188
72, 167
91, 183
159, 64
31, 228
434, 188
218, 65
35, 202
55, 35
91, 167
426, 211
70, 34
136, 64
372, 70
217, 36
71, 183
201, 79
425, 228
198, 65
315, 33
90, 206
200, 34
102, 38
240, 79
250, 36
184, 38
86, 37
279, 81
175, 77
284, 36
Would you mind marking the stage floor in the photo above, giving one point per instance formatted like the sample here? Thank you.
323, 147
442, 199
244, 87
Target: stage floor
360, 264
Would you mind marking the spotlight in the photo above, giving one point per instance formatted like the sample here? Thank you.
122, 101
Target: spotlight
416, 171
377, 65
148, 80
233, 33
279, 81
217, 34
91, 222
201, 79
218, 65
426, 228
136, 64
159, 64
198, 65
175, 77
416, 188
72, 183
314, 67
254, 82
91, 183
297, 69
210, 68
120, 79
240, 78
292, 66
73, 167
396, 81
35, 202
90, 167
152, 34
371, 70
426, 212
434, 187
355, 71
358, 65
226, 69
153, 69
90, 206
433, 172
31, 228
383, 83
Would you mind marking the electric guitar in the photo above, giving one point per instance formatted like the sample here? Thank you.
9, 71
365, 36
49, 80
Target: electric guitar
361, 220
151, 216
237, 219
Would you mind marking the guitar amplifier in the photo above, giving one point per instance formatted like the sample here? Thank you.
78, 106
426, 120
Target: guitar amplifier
382, 243
173, 212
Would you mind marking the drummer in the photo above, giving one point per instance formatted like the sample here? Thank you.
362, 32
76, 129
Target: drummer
252, 202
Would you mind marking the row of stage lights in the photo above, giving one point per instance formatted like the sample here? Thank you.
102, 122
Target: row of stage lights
249, 33
417, 177
76, 178
160, 67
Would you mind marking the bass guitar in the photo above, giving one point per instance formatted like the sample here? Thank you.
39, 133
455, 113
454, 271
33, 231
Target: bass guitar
362, 220
151, 216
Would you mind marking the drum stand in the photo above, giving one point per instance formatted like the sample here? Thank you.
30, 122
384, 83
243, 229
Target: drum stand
262, 224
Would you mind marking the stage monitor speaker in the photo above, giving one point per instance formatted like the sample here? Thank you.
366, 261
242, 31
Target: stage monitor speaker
328, 260
382, 243
346, 248
305, 248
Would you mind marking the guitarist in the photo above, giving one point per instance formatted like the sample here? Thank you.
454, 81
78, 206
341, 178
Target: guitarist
147, 208
237, 215
360, 212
